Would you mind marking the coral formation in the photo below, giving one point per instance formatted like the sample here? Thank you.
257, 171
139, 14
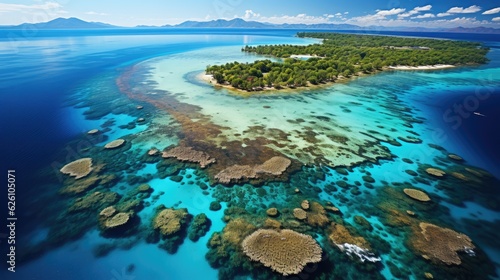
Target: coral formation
272, 212
170, 220
78, 168
299, 213
153, 152
316, 216
190, 155
435, 172
304, 204
417, 195
144, 188
236, 172
271, 223
108, 212
215, 206
285, 251
440, 244
117, 220
93, 131
339, 235
199, 227
274, 166
114, 144
459, 176
455, 157
94, 200
80, 186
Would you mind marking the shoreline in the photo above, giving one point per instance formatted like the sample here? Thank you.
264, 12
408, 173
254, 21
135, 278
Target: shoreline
207, 78
423, 67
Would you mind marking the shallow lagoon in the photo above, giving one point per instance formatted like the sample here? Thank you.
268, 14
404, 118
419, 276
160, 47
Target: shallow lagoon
362, 119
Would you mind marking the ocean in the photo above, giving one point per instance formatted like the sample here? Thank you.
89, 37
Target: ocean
354, 146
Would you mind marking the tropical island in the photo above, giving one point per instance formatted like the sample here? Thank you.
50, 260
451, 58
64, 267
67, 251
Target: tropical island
338, 57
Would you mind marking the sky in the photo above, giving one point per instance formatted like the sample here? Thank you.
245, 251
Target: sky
408, 13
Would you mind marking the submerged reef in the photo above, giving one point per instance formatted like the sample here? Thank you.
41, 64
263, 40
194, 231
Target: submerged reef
274, 166
190, 155
78, 168
441, 244
285, 251
169, 221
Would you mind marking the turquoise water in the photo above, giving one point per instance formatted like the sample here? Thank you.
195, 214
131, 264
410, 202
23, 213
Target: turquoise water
345, 141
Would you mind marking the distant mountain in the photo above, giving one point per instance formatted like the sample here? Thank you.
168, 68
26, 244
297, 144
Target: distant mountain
482, 30
240, 23
64, 23
222, 23
75, 23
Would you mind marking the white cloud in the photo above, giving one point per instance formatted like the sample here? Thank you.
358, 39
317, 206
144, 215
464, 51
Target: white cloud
249, 14
460, 10
428, 15
415, 11
11, 14
492, 11
92, 13
443, 14
423, 8
300, 18
390, 12
495, 19
6, 7
387, 18
374, 19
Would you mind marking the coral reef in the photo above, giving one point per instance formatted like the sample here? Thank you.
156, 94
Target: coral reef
339, 235
299, 213
272, 212
82, 185
114, 144
153, 152
78, 168
271, 223
439, 244
190, 155
199, 227
94, 200
215, 206
285, 251
435, 172
108, 212
455, 157
417, 195
316, 215
304, 204
274, 166
169, 220
117, 220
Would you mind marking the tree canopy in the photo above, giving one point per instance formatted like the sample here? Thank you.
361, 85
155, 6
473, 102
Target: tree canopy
341, 55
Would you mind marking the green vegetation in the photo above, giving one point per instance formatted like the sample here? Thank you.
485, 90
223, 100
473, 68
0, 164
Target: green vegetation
341, 55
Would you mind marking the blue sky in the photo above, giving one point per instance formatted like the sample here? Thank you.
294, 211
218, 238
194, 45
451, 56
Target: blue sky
421, 13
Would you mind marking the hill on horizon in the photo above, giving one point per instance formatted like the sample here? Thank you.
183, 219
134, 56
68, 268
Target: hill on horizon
76, 23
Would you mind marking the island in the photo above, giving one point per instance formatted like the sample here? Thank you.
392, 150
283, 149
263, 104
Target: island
340, 57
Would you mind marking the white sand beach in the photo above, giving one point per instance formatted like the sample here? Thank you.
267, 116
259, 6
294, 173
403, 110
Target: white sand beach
424, 67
